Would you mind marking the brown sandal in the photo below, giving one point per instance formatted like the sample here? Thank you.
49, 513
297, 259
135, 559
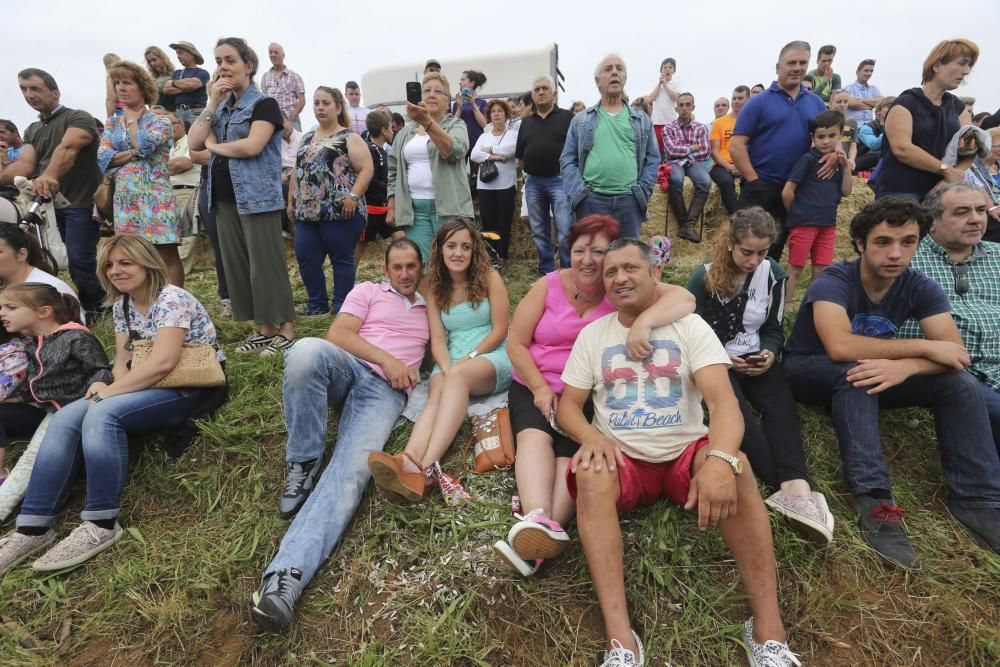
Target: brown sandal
387, 470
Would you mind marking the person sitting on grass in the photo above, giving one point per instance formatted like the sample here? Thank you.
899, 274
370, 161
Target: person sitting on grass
812, 201
842, 354
741, 294
648, 441
468, 314
367, 364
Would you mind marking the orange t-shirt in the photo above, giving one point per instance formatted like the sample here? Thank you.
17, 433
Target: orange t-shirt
722, 130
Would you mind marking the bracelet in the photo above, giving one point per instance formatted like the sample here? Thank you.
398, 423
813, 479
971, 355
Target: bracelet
427, 127
96, 398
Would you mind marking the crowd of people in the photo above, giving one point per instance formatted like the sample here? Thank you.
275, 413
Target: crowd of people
605, 368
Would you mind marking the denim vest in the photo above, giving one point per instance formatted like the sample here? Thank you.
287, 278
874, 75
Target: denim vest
256, 180
580, 141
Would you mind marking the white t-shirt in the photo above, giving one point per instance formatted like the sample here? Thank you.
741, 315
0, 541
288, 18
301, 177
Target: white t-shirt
755, 314
418, 168
502, 145
193, 175
653, 407
358, 115
664, 108
290, 149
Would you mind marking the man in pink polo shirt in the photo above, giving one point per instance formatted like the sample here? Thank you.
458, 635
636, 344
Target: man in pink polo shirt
367, 364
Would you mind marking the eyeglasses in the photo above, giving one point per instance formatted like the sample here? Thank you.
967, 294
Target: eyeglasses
961, 273
434, 91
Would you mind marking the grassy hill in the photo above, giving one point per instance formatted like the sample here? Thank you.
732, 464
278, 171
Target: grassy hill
420, 586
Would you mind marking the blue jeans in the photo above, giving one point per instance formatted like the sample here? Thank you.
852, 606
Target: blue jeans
545, 196
80, 234
314, 242
94, 434
968, 456
992, 399
318, 374
623, 208
696, 172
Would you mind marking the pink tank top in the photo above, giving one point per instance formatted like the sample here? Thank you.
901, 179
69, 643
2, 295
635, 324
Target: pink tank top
556, 332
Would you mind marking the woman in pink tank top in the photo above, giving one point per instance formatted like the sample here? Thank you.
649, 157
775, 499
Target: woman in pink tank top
546, 324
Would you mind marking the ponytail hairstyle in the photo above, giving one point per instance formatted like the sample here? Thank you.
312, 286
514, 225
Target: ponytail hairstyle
65, 307
721, 276
19, 240
476, 77
338, 98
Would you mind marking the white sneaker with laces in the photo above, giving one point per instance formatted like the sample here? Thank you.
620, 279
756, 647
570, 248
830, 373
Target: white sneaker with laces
86, 541
619, 656
769, 654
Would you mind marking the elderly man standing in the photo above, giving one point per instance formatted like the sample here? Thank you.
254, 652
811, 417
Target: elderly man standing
685, 145
864, 96
956, 257
610, 159
540, 141
284, 85
189, 85
772, 133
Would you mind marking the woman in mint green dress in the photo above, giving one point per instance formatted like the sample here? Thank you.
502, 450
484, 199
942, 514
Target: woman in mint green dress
468, 313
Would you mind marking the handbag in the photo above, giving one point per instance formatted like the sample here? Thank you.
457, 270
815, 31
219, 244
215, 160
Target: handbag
493, 441
104, 198
488, 170
198, 366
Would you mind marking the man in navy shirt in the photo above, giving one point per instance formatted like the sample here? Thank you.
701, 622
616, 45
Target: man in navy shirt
842, 353
772, 133
188, 85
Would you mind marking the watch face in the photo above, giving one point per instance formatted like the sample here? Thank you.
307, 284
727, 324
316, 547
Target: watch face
738, 466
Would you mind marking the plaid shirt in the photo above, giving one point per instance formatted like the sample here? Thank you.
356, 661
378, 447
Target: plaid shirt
285, 87
677, 141
977, 312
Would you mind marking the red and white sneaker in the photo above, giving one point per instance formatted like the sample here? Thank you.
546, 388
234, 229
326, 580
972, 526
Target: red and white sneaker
537, 536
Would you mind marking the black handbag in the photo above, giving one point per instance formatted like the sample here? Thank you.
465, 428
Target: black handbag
488, 170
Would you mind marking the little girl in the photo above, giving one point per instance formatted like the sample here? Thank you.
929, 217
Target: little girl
63, 357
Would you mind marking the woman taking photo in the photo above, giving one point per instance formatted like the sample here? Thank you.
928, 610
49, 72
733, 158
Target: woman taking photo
741, 296
496, 196
468, 106
922, 122
467, 310
546, 324
135, 150
161, 68
241, 128
326, 200
92, 431
428, 181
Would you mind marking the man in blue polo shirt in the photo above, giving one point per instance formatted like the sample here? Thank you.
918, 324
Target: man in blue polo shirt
772, 133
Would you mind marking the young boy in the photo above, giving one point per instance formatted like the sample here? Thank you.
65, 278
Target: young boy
812, 202
380, 134
838, 102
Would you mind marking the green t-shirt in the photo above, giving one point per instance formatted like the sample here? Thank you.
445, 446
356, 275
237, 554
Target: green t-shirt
611, 168
79, 183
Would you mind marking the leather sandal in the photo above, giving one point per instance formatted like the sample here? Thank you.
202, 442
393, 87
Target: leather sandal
387, 470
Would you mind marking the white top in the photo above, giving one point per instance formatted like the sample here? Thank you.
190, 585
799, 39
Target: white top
503, 145
357, 116
290, 148
418, 168
39, 276
755, 313
664, 108
191, 176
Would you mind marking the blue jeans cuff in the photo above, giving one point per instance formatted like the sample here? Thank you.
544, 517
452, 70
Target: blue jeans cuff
99, 515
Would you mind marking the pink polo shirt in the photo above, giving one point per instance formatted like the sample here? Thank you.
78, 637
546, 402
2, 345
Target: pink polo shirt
390, 322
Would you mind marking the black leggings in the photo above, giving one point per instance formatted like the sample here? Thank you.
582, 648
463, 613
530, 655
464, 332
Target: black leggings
775, 451
496, 210
18, 419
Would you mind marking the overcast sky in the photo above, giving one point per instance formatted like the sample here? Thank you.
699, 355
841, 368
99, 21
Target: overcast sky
717, 44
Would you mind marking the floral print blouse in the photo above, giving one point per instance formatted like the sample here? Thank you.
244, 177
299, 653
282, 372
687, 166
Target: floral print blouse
324, 178
175, 307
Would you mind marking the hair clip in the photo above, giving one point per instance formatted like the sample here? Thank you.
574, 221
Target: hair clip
660, 246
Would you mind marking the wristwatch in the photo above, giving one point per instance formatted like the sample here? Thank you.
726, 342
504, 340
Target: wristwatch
943, 167
473, 354
353, 196
734, 461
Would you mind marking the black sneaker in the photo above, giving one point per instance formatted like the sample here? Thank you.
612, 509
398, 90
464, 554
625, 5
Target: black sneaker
881, 527
274, 602
982, 522
300, 479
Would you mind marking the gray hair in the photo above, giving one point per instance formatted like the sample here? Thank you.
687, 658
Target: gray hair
597, 68
546, 78
797, 45
934, 201
625, 242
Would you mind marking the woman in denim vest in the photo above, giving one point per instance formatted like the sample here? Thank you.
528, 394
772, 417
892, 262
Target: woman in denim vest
244, 183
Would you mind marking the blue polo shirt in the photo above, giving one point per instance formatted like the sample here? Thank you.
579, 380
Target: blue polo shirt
199, 97
777, 126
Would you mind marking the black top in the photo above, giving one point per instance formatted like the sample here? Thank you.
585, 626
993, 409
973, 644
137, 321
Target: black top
933, 128
378, 189
222, 181
540, 141
816, 199
195, 98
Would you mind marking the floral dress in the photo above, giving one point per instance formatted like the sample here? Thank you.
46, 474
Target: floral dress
324, 178
174, 307
144, 199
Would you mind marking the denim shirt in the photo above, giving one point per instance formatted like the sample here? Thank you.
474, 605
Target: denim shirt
579, 141
256, 180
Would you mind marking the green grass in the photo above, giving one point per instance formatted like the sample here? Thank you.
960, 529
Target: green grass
420, 586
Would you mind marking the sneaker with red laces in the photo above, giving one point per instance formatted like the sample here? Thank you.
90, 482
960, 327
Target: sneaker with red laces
537, 536
881, 524
452, 490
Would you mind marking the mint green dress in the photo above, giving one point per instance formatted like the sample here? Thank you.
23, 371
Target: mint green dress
467, 326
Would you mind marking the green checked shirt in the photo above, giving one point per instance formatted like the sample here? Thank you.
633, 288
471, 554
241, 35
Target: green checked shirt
977, 312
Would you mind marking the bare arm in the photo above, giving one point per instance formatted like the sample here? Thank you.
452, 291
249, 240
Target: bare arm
73, 141
179, 165
673, 302
343, 333
522, 330
899, 130
24, 165
178, 86
496, 292
300, 104
741, 156
788, 194
596, 448
439, 336
110, 96
164, 358
717, 153
847, 180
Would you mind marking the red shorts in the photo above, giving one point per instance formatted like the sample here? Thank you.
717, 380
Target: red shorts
643, 483
811, 241
658, 131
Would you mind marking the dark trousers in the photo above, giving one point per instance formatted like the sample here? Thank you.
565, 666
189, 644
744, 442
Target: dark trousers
314, 242
496, 210
18, 419
727, 187
768, 196
81, 233
212, 227
774, 446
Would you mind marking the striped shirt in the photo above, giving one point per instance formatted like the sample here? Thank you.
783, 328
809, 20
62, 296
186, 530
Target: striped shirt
285, 87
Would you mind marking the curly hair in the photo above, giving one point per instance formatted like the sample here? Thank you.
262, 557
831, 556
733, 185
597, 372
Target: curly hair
141, 77
442, 287
894, 211
721, 276
166, 64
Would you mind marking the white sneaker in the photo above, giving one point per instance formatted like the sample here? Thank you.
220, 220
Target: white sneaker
523, 567
86, 541
809, 514
15, 547
619, 656
769, 654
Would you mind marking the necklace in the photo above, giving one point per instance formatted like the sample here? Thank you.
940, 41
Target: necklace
586, 299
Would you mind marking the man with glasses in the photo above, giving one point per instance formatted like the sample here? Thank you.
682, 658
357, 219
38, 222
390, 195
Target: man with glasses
957, 258
864, 96
843, 353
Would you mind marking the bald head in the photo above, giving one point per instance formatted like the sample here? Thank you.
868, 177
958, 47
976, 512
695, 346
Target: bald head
276, 53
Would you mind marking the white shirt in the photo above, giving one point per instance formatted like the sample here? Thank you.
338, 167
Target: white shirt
189, 177
664, 108
357, 116
290, 148
418, 168
39, 276
503, 145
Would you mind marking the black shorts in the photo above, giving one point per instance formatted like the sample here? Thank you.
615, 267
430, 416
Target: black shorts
376, 228
524, 415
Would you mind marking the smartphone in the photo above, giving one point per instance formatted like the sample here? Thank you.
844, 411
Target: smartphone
413, 94
755, 358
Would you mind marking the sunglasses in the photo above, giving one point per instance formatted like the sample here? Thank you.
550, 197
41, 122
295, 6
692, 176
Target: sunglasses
961, 273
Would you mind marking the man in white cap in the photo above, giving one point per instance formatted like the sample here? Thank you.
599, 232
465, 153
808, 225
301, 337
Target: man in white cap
188, 85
